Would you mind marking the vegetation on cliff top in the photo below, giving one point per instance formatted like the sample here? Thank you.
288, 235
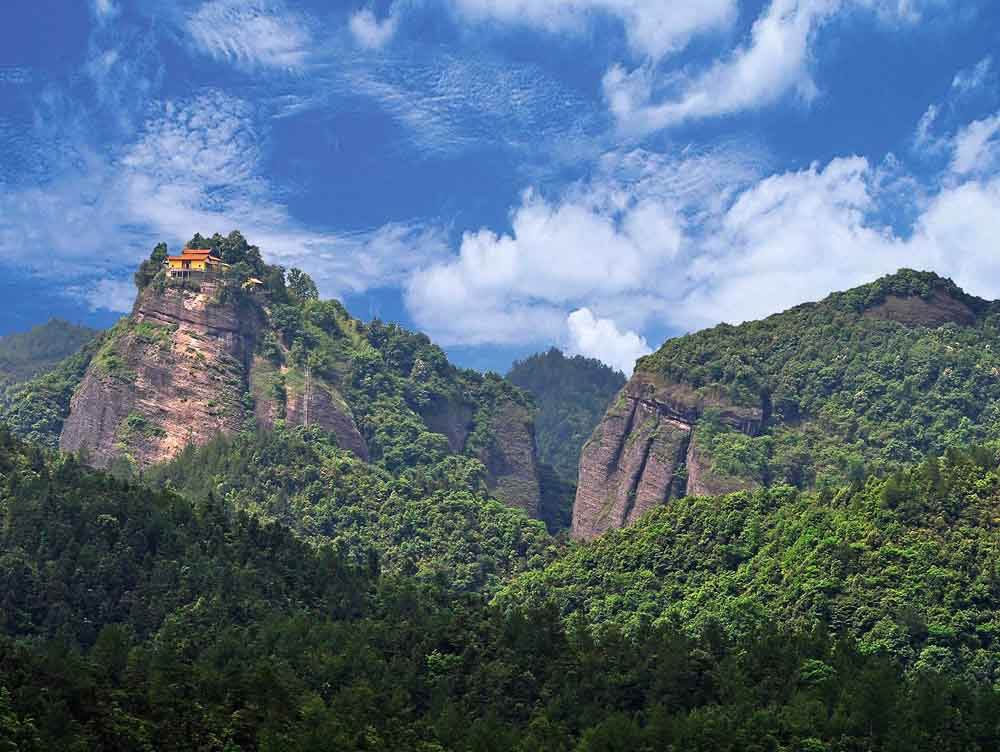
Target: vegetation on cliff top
845, 387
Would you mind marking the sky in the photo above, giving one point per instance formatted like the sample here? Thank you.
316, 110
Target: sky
505, 175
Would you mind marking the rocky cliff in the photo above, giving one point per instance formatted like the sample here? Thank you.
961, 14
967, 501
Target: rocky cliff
642, 453
194, 361
511, 459
171, 374
178, 372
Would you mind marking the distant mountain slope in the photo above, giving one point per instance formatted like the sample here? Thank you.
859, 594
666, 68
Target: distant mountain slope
572, 394
865, 380
27, 354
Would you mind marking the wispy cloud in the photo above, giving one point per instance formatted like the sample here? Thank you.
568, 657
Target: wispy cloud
251, 32
654, 28
972, 79
195, 165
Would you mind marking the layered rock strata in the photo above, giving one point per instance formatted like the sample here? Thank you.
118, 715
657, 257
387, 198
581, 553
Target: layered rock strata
642, 453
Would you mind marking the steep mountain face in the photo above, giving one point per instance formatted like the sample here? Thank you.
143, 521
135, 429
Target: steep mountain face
863, 381
174, 373
197, 359
572, 393
643, 453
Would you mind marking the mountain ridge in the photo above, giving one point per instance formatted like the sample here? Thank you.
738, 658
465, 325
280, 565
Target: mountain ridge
805, 396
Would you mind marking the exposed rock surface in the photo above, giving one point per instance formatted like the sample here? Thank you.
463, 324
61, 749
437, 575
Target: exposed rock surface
510, 459
634, 459
172, 374
913, 310
304, 400
452, 418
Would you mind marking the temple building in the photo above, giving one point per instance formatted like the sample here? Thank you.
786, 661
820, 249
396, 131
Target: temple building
194, 261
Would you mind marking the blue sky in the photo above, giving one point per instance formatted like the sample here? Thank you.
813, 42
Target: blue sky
503, 174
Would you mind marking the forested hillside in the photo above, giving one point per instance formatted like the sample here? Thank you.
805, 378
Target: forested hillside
136, 619
27, 354
572, 395
860, 383
909, 565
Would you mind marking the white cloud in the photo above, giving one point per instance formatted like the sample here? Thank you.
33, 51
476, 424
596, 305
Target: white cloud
251, 32
976, 146
640, 243
115, 295
519, 287
654, 28
923, 137
971, 79
195, 166
773, 62
602, 339
370, 32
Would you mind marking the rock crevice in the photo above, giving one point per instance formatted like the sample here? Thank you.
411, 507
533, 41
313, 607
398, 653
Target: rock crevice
637, 455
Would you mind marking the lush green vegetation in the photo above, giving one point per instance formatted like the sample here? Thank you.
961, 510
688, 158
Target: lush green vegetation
271, 591
572, 395
28, 354
36, 409
908, 565
846, 390
136, 619
433, 521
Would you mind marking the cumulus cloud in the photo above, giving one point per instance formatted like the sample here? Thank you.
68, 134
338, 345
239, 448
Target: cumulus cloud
251, 32
370, 32
593, 268
602, 339
654, 28
516, 287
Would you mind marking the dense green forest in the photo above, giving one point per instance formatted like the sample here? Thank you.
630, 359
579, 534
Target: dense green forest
571, 395
35, 409
137, 619
864, 381
433, 521
27, 354
908, 565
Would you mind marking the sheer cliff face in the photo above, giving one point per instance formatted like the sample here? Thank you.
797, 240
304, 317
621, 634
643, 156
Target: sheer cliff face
176, 373
184, 368
642, 454
170, 375
510, 460
303, 399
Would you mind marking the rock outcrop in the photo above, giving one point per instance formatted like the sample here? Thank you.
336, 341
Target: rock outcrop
642, 453
940, 308
172, 374
510, 459
303, 399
